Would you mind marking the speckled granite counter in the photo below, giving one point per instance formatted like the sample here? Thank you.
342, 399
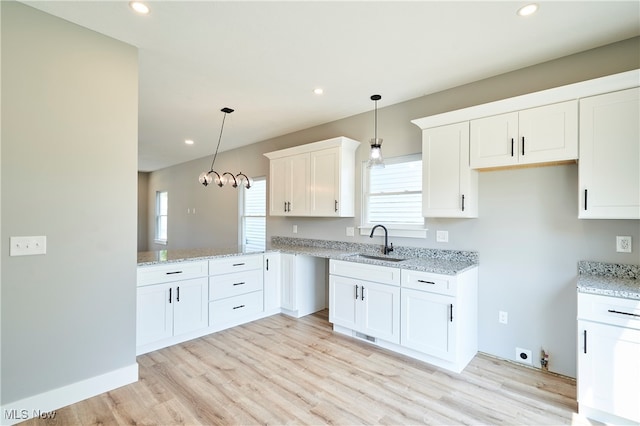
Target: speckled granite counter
447, 262
181, 255
609, 279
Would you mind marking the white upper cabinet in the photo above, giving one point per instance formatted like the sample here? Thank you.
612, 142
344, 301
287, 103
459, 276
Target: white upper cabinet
449, 186
537, 135
609, 166
316, 179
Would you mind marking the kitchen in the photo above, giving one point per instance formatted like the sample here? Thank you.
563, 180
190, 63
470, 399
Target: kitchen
529, 240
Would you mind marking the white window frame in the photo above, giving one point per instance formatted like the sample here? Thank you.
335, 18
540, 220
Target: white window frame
395, 229
241, 211
158, 239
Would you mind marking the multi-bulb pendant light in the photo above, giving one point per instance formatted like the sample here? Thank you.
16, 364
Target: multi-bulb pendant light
212, 176
375, 155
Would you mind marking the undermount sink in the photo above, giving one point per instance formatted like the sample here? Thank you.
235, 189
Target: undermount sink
382, 258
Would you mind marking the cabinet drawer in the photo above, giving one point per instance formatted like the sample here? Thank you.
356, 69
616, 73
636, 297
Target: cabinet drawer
425, 281
169, 272
363, 271
226, 265
234, 308
234, 284
609, 310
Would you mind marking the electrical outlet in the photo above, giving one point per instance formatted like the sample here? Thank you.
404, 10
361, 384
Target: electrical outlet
623, 244
295, 229
503, 317
442, 236
524, 356
350, 231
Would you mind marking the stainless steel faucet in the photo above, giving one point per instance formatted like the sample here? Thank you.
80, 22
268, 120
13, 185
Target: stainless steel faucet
387, 249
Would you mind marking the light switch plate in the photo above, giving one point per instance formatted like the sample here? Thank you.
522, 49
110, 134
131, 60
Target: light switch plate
27, 246
350, 231
623, 244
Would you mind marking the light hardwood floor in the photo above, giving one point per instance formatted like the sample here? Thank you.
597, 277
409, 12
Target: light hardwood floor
280, 370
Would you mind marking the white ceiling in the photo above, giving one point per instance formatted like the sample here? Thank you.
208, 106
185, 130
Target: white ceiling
264, 58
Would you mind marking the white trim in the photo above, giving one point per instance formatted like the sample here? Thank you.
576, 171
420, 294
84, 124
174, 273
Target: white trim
163, 242
314, 146
397, 231
582, 89
52, 400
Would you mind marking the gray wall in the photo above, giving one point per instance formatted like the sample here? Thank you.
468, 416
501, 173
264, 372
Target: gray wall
528, 236
69, 154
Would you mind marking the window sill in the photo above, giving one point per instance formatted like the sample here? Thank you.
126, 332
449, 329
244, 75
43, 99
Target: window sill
406, 231
161, 242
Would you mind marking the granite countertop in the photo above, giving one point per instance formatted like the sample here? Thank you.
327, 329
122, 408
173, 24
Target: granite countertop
446, 262
146, 258
609, 279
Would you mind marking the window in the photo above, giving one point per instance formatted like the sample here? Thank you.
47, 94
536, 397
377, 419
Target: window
392, 196
162, 209
253, 209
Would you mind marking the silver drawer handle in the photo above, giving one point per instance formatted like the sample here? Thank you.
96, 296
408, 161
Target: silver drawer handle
238, 307
623, 313
426, 282
239, 283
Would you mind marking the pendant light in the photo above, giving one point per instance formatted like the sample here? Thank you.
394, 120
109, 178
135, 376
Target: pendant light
212, 176
375, 155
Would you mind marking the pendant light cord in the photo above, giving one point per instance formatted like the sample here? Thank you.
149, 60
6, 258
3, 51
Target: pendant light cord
219, 139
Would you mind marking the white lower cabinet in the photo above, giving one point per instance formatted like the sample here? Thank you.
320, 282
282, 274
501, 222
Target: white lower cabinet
272, 283
609, 358
430, 317
170, 309
365, 299
303, 287
440, 316
427, 323
366, 307
235, 289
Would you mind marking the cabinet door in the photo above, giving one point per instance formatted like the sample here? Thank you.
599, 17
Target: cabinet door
494, 141
190, 301
342, 301
380, 306
548, 133
609, 369
272, 297
298, 181
154, 314
288, 288
609, 166
427, 323
324, 190
278, 187
449, 187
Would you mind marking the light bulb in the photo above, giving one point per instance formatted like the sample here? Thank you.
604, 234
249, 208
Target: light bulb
205, 178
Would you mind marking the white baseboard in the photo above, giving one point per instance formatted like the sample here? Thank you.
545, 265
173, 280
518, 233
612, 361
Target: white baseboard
44, 405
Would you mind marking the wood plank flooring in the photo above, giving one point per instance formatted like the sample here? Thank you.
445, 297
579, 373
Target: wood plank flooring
280, 370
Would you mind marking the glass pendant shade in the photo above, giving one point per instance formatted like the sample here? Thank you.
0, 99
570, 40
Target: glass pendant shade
375, 155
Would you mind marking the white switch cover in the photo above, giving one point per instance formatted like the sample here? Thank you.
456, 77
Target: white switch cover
442, 236
26, 246
350, 231
623, 244
295, 229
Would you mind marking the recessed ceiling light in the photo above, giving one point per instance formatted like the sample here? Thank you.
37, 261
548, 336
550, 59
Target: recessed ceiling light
527, 10
318, 91
139, 7
188, 141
